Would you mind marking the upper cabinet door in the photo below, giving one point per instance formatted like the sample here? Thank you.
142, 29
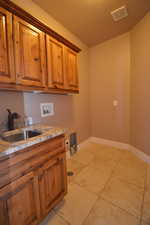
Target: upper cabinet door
29, 54
71, 73
7, 74
55, 63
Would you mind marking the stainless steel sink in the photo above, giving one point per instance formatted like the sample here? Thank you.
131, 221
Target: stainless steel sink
23, 135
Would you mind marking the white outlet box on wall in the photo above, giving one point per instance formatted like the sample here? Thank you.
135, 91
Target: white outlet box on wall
47, 109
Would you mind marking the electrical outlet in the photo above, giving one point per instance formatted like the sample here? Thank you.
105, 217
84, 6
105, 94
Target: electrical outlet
115, 103
47, 109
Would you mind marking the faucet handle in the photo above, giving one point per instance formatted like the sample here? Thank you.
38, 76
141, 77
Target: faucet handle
9, 111
15, 115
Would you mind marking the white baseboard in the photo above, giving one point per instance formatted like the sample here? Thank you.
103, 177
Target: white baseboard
140, 154
110, 143
84, 143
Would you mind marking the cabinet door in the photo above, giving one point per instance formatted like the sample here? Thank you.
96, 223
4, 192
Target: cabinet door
6, 48
29, 54
53, 183
19, 202
55, 63
71, 70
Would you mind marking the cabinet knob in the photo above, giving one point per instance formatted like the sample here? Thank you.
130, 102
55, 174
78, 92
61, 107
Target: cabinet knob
58, 159
20, 213
36, 59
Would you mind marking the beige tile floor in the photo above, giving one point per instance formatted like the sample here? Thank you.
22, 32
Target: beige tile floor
109, 187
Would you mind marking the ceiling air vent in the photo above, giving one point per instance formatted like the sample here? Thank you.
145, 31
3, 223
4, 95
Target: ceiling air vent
119, 14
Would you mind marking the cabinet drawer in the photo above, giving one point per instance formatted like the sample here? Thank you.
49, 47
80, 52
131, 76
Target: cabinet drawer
29, 159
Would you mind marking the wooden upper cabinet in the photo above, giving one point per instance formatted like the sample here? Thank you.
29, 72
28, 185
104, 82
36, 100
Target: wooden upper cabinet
29, 54
71, 70
19, 202
33, 59
52, 183
55, 63
7, 74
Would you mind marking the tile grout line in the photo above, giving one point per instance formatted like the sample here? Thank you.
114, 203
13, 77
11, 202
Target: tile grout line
73, 182
84, 166
90, 211
128, 182
115, 166
125, 181
137, 217
101, 191
109, 179
74, 176
64, 219
109, 201
60, 214
100, 197
90, 192
142, 205
97, 194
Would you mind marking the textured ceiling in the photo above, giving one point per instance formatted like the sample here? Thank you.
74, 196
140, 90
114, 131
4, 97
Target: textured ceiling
91, 21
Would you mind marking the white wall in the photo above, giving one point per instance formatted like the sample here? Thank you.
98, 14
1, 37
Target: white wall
109, 81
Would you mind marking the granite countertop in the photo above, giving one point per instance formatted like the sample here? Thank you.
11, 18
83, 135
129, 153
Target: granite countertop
47, 132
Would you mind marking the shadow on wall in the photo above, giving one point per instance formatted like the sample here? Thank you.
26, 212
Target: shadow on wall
13, 101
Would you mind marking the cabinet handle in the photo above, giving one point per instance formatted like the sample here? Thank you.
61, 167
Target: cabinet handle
36, 59
41, 176
58, 159
20, 213
18, 75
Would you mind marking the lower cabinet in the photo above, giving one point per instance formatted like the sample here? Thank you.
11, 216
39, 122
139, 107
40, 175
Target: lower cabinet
52, 183
19, 202
29, 198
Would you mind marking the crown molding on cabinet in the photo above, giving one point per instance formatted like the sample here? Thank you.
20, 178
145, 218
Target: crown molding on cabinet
13, 8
